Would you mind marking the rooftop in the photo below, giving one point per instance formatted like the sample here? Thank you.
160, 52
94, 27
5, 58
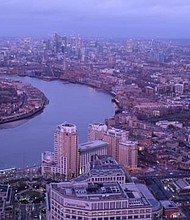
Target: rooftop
106, 191
92, 145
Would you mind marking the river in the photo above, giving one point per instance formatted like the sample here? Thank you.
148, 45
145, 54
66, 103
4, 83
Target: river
22, 142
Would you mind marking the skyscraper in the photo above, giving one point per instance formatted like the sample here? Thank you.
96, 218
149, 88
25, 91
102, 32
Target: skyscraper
113, 137
96, 131
119, 147
66, 149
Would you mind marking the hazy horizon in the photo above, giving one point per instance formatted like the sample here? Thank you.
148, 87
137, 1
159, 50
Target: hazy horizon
96, 18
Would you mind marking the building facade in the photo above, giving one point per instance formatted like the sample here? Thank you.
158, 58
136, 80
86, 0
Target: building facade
96, 131
104, 168
101, 201
128, 154
66, 142
87, 151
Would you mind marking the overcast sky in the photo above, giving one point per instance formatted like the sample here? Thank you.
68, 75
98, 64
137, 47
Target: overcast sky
96, 18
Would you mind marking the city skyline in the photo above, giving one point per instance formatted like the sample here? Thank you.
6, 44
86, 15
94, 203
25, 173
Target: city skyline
109, 18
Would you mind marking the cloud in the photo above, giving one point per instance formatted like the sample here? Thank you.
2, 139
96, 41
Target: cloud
80, 15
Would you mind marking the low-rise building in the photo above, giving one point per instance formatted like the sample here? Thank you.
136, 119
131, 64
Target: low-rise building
5, 200
103, 169
101, 201
87, 151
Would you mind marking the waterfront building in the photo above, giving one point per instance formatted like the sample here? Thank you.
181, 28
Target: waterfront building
48, 165
128, 154
66, 142
101, 201
113, 137
87, 151
96, 131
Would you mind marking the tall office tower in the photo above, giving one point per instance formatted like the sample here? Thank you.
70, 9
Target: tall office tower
96, 131
66, 150
113, 137
128, 154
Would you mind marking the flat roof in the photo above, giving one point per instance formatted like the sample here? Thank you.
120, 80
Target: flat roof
148, 195
90, 145
106, 191
167, 204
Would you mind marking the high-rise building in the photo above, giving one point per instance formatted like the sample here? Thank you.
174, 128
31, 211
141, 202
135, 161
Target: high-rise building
113, 137
124, 151
128, 154
96, 131
66, 149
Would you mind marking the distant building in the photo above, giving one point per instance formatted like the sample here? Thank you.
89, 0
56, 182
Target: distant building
165, 124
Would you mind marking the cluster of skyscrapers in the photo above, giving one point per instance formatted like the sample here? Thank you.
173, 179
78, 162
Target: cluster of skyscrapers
97, 185
72, 159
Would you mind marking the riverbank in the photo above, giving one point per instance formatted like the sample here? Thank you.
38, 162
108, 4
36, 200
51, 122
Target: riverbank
26, 102
24, 116
23, 141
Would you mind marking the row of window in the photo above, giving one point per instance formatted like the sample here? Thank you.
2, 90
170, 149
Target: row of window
59, 213
101, 206
141, 217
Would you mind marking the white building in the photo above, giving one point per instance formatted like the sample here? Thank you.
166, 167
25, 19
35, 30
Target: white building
101, 201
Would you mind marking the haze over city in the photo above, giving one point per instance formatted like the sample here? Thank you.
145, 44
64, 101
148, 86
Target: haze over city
96, 18
94, 109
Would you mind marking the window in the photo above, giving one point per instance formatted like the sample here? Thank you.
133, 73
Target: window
100, 206
118, 205
112, 205
106, 205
